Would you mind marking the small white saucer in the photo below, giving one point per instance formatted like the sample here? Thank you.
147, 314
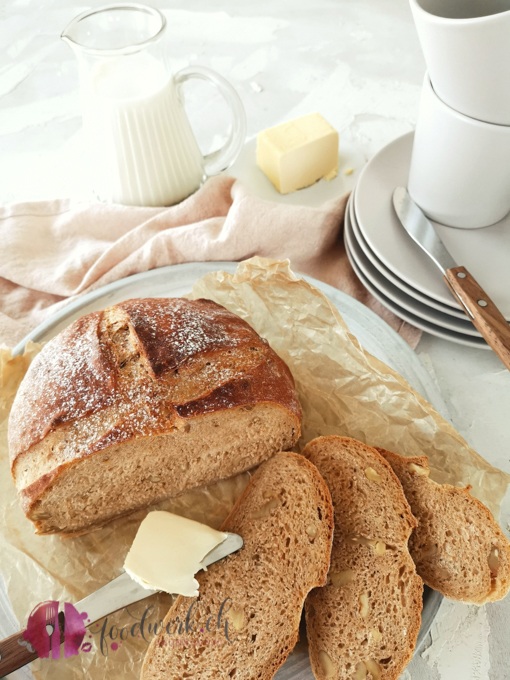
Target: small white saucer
246, 170
485, 252
414, 314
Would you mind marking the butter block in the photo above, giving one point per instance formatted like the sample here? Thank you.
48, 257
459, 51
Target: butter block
298, 153
168, 551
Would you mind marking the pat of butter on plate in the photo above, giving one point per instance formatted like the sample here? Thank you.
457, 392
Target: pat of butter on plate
168, 551
298, 153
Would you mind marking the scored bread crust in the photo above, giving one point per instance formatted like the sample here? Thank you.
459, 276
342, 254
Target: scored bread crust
285, 517
458, 547
364, 623
141, 401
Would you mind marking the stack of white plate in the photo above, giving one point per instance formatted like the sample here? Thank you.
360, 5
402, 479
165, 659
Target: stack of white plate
396, 271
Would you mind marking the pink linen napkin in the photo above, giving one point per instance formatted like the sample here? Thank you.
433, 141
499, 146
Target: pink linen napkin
53, 251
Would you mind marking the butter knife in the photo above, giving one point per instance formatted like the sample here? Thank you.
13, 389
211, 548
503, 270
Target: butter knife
482, 311
16, 652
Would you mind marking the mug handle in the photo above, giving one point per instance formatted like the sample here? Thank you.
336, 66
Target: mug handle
221, 159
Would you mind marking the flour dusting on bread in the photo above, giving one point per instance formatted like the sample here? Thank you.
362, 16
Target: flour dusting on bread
141, 402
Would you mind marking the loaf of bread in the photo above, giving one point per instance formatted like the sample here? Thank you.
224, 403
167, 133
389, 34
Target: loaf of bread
364, 623
252, 599
458, 547
140, 402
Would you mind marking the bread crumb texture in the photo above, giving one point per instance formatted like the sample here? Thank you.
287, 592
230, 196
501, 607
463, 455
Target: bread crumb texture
246, 618
140, 402
458, 547
364, 623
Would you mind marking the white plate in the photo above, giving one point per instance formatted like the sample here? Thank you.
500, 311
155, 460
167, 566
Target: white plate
388, 274
485, 252
372, 332
406, 315
397, 295
246, 170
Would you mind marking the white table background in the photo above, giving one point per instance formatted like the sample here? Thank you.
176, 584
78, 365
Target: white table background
359, 63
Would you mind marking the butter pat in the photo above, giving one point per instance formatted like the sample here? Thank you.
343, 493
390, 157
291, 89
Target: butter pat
298, 153
168, 551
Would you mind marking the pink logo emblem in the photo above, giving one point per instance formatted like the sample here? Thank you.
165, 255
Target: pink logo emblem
45, 635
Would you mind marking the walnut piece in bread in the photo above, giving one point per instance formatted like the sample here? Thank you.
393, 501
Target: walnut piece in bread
140, 402
252, 599
458, 547
364, 623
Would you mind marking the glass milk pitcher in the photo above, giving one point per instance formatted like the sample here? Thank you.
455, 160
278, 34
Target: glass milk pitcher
141, 145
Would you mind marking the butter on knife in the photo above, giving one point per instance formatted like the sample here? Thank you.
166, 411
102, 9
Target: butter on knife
168, 551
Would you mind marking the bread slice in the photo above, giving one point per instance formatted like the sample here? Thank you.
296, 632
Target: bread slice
140, 402
458, 547
364, 623
253, 599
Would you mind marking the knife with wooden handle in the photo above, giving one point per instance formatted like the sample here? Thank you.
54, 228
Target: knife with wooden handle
482, 311
15, 651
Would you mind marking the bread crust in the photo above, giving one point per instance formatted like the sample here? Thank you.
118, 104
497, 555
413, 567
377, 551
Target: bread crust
458, 547
141, 369
285, 517
365, 621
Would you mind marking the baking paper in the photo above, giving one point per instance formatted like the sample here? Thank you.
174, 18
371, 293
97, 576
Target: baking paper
343, 390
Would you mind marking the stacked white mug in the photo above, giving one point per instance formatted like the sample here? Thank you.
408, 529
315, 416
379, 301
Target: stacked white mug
460, 165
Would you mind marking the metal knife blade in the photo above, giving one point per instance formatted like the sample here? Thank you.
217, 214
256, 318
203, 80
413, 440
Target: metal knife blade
483, 313
15, 651
123, 590
420, 229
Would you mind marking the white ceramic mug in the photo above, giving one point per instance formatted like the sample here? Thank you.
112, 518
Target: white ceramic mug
466, 45
460, 167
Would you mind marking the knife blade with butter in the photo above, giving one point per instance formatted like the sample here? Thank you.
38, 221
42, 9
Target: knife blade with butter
154, 564
482, 311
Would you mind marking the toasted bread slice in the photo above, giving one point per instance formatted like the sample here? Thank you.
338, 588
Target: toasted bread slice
364, 623
458, 547
245, 620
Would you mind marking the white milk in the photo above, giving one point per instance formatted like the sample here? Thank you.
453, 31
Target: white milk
142, 147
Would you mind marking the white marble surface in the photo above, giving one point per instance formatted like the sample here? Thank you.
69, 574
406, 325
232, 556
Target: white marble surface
360, 64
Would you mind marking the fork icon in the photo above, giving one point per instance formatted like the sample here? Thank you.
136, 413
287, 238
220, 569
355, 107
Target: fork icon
43, 630
47, 629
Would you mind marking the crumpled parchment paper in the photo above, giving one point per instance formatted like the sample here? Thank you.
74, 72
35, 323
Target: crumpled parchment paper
342, 389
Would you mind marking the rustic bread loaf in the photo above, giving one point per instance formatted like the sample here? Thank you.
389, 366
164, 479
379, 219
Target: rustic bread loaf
458, 547
140, 402
364, 623
253, 599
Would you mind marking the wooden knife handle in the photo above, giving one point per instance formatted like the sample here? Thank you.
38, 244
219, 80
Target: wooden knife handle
16, 652
484, 314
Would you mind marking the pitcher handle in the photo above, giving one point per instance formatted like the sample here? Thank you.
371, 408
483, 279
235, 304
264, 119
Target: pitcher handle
221, 159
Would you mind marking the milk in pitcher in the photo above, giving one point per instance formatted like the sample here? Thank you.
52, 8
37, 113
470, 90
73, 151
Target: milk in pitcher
144, 151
